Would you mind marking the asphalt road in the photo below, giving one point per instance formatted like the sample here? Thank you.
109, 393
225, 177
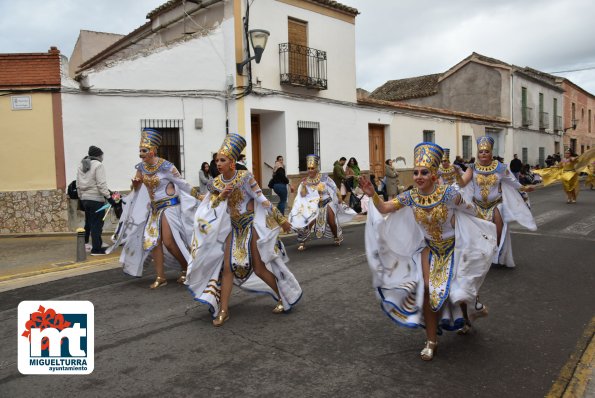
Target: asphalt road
336, 342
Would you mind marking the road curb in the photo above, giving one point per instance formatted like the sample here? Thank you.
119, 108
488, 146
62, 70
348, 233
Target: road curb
575, 375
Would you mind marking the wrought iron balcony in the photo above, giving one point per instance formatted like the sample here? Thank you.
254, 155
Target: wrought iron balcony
527, 116
558, 123
302, 66
544, 120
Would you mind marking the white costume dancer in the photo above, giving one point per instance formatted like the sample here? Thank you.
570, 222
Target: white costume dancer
316, 208
159, 210
430, 256
448, 173
497, 195
235, 241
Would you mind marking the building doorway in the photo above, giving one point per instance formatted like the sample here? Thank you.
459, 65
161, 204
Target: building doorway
255, 135
376, 146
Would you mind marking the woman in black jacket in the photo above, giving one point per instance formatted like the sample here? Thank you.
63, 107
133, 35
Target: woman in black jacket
279, 184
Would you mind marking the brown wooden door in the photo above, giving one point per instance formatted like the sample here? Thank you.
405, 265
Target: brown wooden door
298, 41
255, 121
376, 143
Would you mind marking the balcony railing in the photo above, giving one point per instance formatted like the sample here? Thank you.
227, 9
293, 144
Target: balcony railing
527, 116
558, 123
544, 120
302, 66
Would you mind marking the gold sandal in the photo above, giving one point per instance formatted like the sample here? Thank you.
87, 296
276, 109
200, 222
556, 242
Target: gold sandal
429, 350
279, 309
158, 283
182, 277
338, 241
221, 318
302, 247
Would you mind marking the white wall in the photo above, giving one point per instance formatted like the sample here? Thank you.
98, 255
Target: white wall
272, 141
196, 64
113, 124
325, 33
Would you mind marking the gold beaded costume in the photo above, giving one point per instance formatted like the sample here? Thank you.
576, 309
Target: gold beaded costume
164, 193
460, 249
238, 217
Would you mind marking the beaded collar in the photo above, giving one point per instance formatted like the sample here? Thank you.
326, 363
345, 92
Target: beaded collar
313, 181
429, 200
152, 168
486, 169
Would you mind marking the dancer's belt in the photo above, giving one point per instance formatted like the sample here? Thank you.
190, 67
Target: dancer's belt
323, 203
160, 204
487, 205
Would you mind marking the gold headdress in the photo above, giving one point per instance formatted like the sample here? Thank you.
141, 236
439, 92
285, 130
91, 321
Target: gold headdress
312, 161
232, 146
446, 155
150, 138
484, 143
427, 154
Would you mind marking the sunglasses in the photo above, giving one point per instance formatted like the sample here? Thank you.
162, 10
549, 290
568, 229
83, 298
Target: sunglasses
422, 172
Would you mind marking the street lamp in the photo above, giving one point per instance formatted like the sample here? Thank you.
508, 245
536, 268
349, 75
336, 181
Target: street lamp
258, 39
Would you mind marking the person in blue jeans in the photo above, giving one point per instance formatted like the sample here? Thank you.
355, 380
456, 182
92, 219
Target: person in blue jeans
280, 182
93, 193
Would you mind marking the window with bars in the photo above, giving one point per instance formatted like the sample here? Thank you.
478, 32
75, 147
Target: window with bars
172, 144
525, 155
541, 156
428, 135
308, 141
495, 134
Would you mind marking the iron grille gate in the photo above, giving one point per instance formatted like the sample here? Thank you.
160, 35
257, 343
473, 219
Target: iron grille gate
172, 142
308, 141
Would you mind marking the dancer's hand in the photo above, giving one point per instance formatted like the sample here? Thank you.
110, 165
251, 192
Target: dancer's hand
136, 183
226, 191
286, 227
266, 204
366, 186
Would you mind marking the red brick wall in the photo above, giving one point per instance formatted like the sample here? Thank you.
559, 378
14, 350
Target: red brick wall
30, 70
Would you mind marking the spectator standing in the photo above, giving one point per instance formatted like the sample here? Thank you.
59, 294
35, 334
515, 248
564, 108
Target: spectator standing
204, 178
93, 192
280, 182
339, 176
515, 166
459, 162
213, 167
391, 179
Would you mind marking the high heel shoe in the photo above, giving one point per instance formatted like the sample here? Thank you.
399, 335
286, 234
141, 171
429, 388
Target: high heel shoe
279, 308
221, 318
338, 240
302, 247
182, 277
158, 283
429, 350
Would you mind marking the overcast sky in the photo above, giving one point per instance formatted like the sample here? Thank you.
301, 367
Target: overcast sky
394, 38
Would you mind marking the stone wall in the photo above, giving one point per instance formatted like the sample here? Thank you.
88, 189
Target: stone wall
30, 212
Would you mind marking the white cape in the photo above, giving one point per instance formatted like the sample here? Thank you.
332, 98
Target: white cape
131, 227
211, 228
393, 249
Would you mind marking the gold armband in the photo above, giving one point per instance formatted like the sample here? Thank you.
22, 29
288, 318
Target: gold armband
376, 199
216, 200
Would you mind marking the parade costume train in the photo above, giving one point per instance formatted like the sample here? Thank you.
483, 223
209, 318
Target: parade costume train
218, 219
459, 255
316, 196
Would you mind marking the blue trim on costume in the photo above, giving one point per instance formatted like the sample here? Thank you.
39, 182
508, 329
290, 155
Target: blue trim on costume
409, 325
402, 311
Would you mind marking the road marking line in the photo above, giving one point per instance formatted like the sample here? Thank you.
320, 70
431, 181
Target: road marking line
57, 268
551, 216
583, 227
574, 376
